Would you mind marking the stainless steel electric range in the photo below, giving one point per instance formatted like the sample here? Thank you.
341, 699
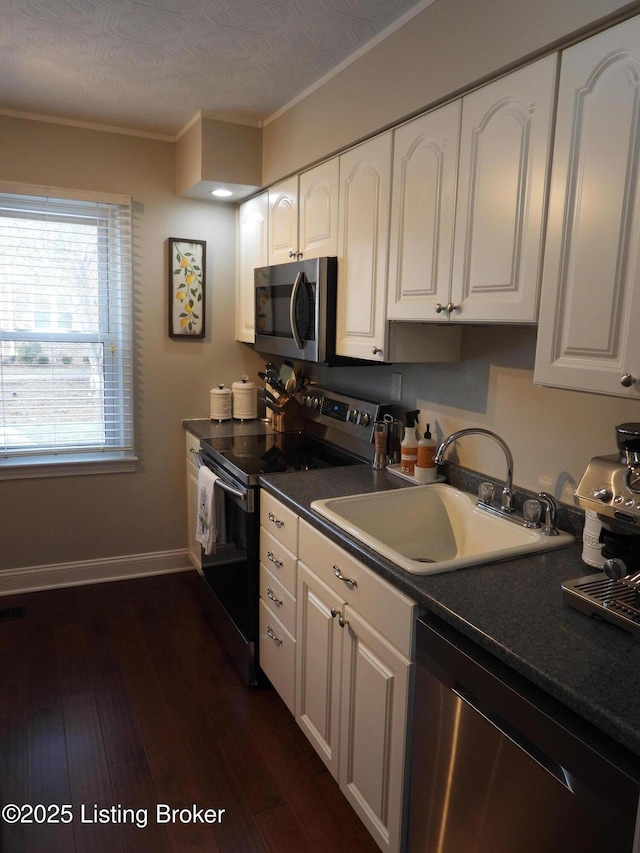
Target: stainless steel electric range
337, 431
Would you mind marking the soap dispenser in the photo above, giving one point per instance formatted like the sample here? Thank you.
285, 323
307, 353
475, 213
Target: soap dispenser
425, 470
409, 444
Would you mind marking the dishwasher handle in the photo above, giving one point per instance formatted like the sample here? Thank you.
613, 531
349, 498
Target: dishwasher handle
528, 747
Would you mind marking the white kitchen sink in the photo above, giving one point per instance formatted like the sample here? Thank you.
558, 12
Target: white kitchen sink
433, 528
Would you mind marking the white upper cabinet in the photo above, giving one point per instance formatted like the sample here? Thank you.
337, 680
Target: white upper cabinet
365, 187
469, 191
253, 251
318, 218
425, 169
505, 143
283, 221
303, 214
590, 311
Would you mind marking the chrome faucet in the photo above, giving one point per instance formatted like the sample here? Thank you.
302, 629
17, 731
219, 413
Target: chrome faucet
507, 492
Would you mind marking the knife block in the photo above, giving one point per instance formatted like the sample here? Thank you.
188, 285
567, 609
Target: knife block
288, 417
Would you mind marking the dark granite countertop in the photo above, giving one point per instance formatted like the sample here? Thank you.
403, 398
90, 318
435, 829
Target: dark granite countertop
514, 609
206, 428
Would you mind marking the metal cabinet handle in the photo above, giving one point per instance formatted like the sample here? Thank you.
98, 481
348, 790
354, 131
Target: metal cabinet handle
278, 522
275, 639
341, 619
627, 380
277, 601
341, 577
376, 350
449, 307
272, 559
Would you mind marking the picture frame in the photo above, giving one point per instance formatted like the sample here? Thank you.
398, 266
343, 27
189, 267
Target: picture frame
187, 287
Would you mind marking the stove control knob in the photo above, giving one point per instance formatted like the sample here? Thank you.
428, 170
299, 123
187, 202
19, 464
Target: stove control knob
603, 495
352, 415
365, 419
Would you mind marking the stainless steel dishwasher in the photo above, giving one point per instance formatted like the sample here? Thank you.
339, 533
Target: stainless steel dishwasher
498, 766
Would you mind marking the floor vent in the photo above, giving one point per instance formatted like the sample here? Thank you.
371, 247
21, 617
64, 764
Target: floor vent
9, 613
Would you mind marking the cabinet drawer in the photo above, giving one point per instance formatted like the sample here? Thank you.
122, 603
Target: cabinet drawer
193, 446
387, 609
279, 521
280, 562
277, 656
278, 599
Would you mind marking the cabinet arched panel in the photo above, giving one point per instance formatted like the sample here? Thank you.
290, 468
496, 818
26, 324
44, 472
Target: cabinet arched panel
502, 184
590, 309
365, 178
319, 188
497, 200
422, 214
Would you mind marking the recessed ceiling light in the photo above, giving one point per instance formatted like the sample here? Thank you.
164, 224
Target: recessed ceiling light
221, 193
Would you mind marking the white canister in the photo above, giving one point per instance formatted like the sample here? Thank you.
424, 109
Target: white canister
591, 545
245, 400
220, 403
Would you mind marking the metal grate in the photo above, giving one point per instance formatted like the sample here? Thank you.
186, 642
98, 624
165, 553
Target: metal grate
611, 600
9, 613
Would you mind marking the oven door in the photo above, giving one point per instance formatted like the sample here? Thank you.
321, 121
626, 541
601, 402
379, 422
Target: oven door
290, 309
231, 575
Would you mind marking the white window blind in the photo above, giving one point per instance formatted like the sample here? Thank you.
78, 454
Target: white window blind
65, 326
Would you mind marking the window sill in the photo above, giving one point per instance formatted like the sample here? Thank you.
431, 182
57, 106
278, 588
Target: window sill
71, 465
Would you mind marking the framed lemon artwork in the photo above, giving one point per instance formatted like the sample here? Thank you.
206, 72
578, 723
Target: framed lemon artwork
187, 267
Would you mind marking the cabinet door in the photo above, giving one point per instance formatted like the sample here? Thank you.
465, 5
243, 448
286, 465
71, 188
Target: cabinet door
253, 251
365, 182
504, 155
425, 167
319, 640
590, 311
277, 655
283, 221
318, 218
373, 725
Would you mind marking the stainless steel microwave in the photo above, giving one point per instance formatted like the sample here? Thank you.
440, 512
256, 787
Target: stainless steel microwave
295, 309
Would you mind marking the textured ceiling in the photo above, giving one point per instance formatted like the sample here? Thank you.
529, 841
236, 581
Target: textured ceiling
151, 65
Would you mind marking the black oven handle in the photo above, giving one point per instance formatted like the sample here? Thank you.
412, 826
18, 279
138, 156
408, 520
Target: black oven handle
292, 309
231, 490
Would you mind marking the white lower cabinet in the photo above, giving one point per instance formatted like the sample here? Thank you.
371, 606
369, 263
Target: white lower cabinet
353, 668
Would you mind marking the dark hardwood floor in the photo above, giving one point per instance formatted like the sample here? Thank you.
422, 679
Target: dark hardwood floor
118, 697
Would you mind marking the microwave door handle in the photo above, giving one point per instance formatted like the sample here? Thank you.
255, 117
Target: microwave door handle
292, 309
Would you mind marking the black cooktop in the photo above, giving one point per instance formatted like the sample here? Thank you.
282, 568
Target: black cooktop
246, 457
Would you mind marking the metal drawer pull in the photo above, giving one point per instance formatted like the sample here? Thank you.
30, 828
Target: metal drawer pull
277, 601
276, 521
337, 613
275, 639
341, 577
277, 563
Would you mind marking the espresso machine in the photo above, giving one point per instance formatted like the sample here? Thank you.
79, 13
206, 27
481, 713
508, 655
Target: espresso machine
610, 486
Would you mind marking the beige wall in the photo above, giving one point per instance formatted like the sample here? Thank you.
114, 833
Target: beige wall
447, 48
67, 519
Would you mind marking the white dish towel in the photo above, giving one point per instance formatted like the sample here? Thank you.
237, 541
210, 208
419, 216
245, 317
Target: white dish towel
210, 528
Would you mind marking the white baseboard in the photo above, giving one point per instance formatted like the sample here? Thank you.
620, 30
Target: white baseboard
33, 578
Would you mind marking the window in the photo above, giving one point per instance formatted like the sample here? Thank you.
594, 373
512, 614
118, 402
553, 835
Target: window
66, 391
